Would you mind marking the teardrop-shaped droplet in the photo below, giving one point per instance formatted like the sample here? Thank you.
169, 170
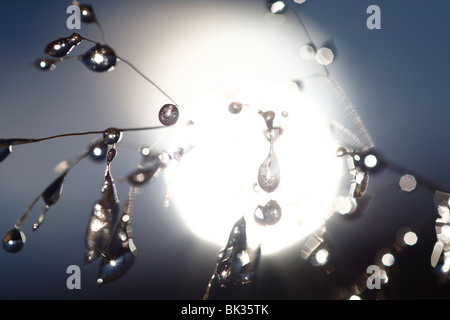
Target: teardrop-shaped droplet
5, 149
120, 254
98, 151
268, 116
53, 191
237, 263
269, 173
110, 157
87, 13
14, 240
99, 58
168, 114
102, 221
45, 64
276, 6
63, 46
112, 135
235, 107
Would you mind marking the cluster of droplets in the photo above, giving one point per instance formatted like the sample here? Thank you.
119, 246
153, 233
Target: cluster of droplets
440, 257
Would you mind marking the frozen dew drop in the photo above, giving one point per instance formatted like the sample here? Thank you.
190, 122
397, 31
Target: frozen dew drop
63, 46
168, 114
45, 64
237, 263
324, 56
276, 7
112, 135
269, 173
5, 149
268, 116
99, 58
271, 212
87, 13
52, 193
14, 240
235, 107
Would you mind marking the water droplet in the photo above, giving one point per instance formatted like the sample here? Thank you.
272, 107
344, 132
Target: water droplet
235, 107
14, 240
99, 58
5, 149
103, 218
276, 6
111, 155
87, 13
269, 173
45, 64
237, 263
53, 191
271, 212
120, 254
268, 116
112, 135
168, 114
63, 46
50, 196
361, 183
178, 154
98, 151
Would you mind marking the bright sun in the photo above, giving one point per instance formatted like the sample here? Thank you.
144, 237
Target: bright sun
216, 183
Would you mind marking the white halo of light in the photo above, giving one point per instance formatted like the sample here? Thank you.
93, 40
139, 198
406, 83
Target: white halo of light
214, 184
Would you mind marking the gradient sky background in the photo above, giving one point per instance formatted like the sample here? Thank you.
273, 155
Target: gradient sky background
397, 78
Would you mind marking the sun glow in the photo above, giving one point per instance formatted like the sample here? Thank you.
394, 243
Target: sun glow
216, 182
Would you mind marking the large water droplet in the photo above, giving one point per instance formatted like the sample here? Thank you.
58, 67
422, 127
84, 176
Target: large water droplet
102, 221
45, 64
63, 46
5, 149
269, 173
53, 192
112, 135
100, 58
14, 240
168, 114
237, 263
